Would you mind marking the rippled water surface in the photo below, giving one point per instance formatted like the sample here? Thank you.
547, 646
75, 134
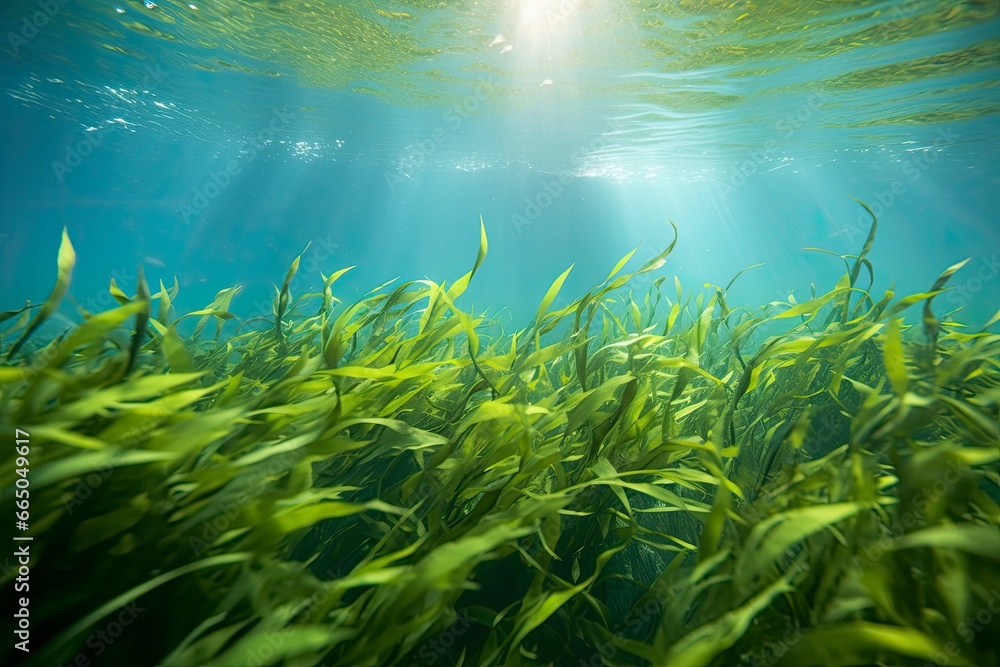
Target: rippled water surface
729, 117
501, 332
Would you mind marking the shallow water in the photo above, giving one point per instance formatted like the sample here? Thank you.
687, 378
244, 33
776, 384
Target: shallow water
386, 132
211, 142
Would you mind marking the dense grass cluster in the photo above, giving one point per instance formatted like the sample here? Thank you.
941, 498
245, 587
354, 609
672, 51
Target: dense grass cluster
633, 479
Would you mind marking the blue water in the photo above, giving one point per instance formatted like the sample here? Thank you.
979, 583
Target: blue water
214, 145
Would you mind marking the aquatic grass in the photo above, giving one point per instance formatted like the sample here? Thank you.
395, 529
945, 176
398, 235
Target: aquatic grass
632, 479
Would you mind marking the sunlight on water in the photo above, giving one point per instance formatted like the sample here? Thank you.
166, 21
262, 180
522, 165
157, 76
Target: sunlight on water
687, 84
500, 333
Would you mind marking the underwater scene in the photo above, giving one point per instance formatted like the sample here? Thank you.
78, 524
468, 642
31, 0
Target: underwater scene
528, 333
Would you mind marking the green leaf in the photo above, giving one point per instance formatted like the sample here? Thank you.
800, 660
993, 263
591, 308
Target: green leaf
621, 264
71, 633
860, 643
971, 538
895, 362
701, 646
773, 536
810, 307
297, 518
64, 264
460, 285
549, 297
593, 400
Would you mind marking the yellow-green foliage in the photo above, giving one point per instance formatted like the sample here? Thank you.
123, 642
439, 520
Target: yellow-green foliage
434, 54
634, 479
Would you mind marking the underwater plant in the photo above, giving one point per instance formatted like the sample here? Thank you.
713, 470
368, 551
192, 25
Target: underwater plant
632, 479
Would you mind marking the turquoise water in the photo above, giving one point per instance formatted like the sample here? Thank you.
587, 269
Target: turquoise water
381, 132
663, 484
